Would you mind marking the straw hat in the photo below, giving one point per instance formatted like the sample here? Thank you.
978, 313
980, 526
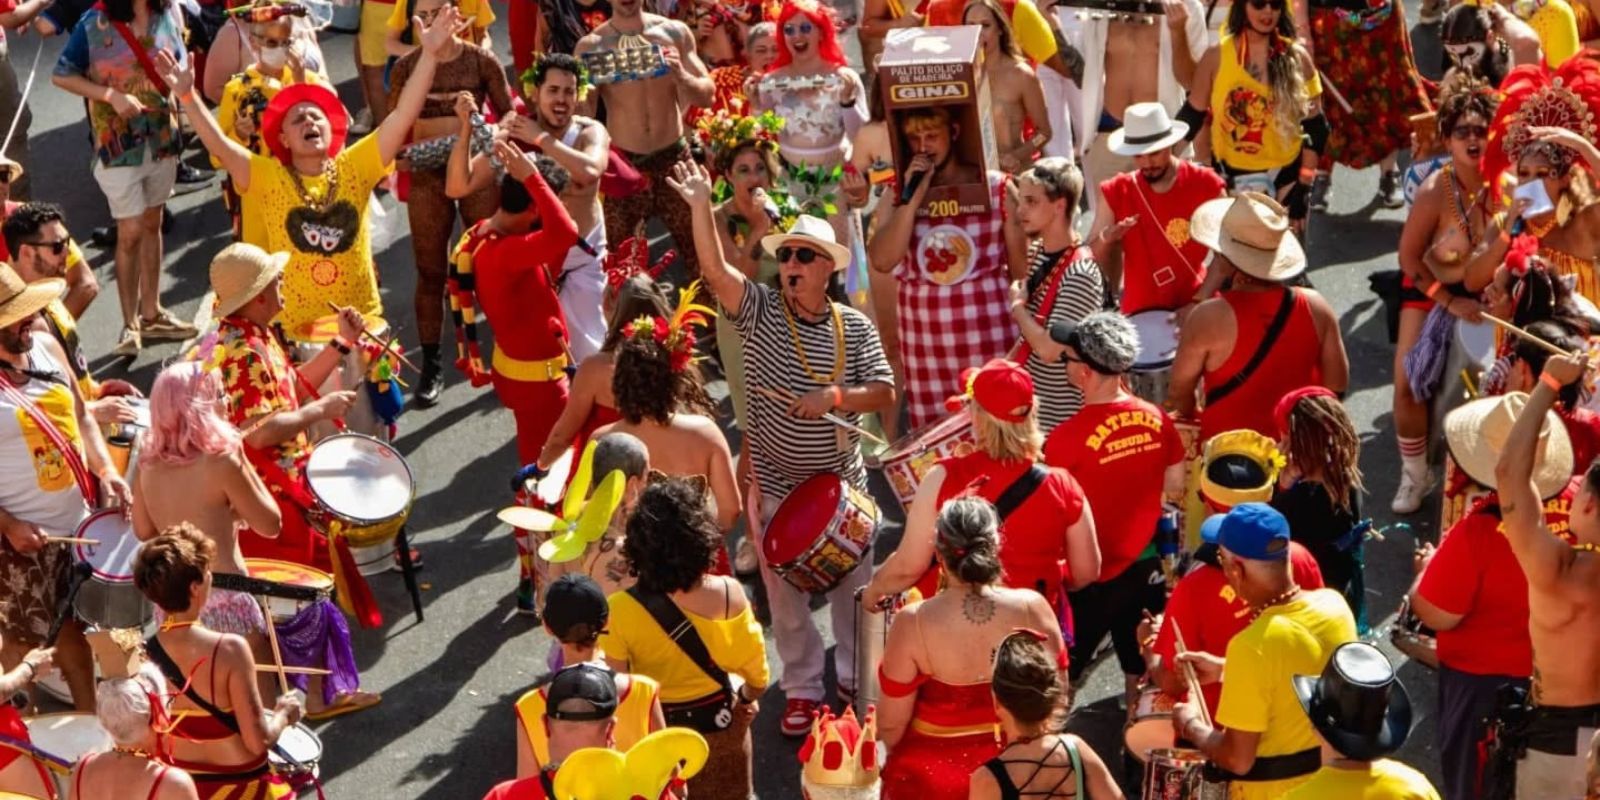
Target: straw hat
1146, 128
20, 299
814, 231
240, 272
16, 169
1478, 432
1252, 231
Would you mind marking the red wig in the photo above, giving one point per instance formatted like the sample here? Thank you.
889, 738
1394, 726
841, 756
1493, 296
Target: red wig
827, 25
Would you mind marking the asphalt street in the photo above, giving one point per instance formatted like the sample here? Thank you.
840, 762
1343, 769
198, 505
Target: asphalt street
445, 728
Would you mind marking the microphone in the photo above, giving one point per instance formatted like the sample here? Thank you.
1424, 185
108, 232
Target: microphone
771, 208
527, 473
911, 187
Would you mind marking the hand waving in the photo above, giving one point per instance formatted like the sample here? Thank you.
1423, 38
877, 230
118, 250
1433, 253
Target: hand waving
179, 77
436, 37
692, 181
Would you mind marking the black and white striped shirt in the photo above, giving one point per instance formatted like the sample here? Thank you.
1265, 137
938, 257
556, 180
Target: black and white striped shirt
1082, 292
786, 450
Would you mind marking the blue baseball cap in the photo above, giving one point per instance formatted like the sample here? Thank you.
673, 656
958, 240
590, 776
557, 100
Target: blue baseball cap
1255, 531
1209, 528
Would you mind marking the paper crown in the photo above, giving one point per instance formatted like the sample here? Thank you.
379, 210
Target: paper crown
1240, 467
841, 751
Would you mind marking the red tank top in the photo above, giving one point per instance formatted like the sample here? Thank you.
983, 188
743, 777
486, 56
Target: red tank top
1293, 361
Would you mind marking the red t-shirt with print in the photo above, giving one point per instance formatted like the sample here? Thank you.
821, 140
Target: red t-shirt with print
1162, 266
1118, 452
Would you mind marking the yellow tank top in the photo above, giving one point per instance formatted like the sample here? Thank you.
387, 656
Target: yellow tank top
632, 717
1244, 128
66, 327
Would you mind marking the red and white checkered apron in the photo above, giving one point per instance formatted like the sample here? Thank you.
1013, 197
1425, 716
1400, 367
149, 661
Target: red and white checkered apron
952, 301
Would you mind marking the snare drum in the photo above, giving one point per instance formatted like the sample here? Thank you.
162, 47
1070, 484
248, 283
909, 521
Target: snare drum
913, 455
1158, 346
283, 609
1150, 728
1177, 774
822, 530
303, 745
66, 737
109, 599
363, 489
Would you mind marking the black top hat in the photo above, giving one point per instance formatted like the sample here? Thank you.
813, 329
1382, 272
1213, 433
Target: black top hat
1357, 705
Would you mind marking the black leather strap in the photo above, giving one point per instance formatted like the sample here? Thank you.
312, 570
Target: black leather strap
1274, 330
234, 582
1020, 490
1271, 768
678, 628
175, 676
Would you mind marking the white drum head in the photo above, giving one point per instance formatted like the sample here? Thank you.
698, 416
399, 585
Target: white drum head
112, 558
68, 736
301, 743
1158, 339
1476, 340
359, 477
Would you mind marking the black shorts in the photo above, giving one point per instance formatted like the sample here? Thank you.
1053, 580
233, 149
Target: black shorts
1115, 607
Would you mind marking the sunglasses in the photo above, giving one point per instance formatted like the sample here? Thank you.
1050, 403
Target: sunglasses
1262, 5
56, 247
803, 29
1470, 132
803, 255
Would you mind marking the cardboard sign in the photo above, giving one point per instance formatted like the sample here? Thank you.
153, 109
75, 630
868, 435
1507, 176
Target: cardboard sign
925, 67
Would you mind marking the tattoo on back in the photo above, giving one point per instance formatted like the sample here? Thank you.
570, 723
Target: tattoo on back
977, 608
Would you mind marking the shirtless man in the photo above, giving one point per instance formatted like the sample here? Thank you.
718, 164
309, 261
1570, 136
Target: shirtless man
582, 147
653, 138
1015, 96
602, 560
1125, 77
1563, 600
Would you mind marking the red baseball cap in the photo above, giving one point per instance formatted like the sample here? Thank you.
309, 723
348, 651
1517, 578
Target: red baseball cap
1001, 387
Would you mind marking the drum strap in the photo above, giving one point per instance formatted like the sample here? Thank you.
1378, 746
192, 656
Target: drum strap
1271, 768
249, 585
1138, 188
69, 453
682, 633
1048, 292
1020, 490
1274, 330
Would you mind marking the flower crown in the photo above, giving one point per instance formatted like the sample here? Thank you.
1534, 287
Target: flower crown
722, 133
534, 76
676, 335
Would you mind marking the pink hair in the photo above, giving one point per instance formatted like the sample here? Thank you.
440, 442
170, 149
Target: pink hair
827, 32
184, 422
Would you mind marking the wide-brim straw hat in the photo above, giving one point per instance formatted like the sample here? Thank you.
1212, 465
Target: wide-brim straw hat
20, 299
812, 231
240, 272
1478, 432
1251, 230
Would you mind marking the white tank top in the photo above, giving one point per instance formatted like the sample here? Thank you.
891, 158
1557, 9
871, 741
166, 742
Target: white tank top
36, 485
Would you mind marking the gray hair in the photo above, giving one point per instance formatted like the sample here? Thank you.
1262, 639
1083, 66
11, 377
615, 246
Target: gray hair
620, 451
1061, 179
123, 704
759, 30
967, 538
1109, 340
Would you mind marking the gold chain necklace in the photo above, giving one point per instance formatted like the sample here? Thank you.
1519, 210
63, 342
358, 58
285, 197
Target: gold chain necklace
838, 345
1539, 231
330, 173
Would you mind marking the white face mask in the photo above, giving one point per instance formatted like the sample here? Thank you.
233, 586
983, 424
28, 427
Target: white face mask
274, 57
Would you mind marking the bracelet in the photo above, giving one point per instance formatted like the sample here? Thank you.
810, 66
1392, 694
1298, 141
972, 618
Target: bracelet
187, 97
1550, 381
1308, 174
341, 344
32, 671
1433, 290
838, 395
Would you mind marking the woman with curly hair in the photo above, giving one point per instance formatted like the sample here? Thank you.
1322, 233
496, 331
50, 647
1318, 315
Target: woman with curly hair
673, 543
936, 714
661, 401
1319, 491
1041, 761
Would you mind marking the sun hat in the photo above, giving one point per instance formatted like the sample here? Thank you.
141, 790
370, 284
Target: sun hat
813, 231
1357, 705
1146, 128
1251, 230
20, 299
291, 96
1478, 432
240, 272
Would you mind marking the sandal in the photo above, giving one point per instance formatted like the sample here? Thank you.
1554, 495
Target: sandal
346, 704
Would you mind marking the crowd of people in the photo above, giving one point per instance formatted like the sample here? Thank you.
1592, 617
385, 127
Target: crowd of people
1065, 316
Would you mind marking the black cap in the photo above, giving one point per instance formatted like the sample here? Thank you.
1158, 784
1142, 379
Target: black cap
593, 684
575, 599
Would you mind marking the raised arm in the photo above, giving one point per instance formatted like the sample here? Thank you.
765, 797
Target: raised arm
726, 282
233, 156
557, 232
396, 127
1545, 559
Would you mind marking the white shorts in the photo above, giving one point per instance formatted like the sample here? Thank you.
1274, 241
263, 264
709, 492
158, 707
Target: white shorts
131, 191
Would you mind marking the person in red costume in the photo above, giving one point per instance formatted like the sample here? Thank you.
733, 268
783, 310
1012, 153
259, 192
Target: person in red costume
1049, 543
513, 264
1262, 338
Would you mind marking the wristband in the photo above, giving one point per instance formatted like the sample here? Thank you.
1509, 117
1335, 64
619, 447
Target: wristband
838, 395
1550, 381
341, 344
32, 671
187, 97
1433, 290
1307, 174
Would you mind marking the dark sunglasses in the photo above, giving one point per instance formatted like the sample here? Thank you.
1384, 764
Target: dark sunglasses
804, 255
56, 248
1470, 132
1261, 5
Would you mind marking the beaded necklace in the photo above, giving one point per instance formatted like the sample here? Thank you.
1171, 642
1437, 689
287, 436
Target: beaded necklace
1460, 210
1282, 597
1539, 231
838, 345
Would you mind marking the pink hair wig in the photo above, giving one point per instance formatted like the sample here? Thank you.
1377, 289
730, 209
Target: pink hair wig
827, 25
185, 424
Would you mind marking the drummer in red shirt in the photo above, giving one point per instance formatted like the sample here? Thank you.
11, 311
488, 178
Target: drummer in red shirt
1047, 534
1145, 215
1129, 460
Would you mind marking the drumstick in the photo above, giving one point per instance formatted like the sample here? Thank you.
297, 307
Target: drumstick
277, 655
378, 341
1189, 677
1338, 96
1524, 334
294, 670
788, 397
70, 540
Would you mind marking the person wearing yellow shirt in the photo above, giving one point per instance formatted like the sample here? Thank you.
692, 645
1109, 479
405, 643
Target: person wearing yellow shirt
1262, 741
1362, 712
673, 542
575, 614
400, 39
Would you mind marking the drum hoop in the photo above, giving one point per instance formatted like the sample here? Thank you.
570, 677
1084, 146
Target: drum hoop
324, 579
834, 526
361, 521
77, 549
310, 736
921, 441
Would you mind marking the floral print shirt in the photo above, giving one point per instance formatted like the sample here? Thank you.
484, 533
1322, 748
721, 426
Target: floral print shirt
258, 379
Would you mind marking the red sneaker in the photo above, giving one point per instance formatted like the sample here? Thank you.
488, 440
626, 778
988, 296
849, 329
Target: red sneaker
797, 716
